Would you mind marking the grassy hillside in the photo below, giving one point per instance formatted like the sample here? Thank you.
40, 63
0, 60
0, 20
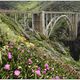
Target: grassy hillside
42, 5
42, 58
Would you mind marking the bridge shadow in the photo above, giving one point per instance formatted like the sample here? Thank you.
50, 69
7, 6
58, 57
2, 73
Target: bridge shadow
74, 47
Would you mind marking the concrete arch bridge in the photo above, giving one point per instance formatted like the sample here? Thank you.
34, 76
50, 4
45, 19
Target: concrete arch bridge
45, 21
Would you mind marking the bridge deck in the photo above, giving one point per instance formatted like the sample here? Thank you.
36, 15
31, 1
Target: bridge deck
16, 11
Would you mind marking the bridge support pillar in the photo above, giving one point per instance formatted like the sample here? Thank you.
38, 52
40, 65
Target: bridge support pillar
37, 22
74, 28
43, 22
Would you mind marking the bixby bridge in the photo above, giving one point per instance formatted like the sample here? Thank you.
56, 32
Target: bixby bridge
45, 21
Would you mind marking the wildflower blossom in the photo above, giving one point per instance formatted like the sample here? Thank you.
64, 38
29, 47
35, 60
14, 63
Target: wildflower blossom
17, 72
22, 51
7, 67
19, 67
32, 71
46, 66
52, 69
27, 44
44, 72
39, 68
38, 72
30, 61
57, 77
32, 45
18, 48
9, 55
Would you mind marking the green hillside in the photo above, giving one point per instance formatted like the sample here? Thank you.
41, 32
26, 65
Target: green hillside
39, 51
40, 5
50, 6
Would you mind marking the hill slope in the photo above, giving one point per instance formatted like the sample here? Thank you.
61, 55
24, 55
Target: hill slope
36, 53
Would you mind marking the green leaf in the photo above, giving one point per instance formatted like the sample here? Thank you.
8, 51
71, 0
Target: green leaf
0, 57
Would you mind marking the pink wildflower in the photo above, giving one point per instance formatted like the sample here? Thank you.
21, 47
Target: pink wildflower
32, 71
52, 69
39, 68
46, 66
22, 51
53, 78
30, 61
44, 72
18, 48
7, 67
17, 72
9, 55
28, 51
38, 72
57, 77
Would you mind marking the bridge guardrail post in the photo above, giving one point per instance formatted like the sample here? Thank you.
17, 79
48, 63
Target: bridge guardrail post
75, 26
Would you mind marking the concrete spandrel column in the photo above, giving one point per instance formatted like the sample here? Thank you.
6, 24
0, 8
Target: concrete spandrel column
75, 26
43, 22
73, 29
33, 22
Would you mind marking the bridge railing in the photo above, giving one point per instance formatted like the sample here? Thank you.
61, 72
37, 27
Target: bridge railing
23, 18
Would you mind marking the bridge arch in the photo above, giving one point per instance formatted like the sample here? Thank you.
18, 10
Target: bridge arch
55, 22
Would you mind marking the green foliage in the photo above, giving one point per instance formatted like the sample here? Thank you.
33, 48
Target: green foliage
12, 24
60, 30
20, 55
9, 29
40, 5
6, 34
0, 58
27, 5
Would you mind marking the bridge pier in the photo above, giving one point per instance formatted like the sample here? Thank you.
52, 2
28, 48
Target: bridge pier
43, 22
37, 22
74, 26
